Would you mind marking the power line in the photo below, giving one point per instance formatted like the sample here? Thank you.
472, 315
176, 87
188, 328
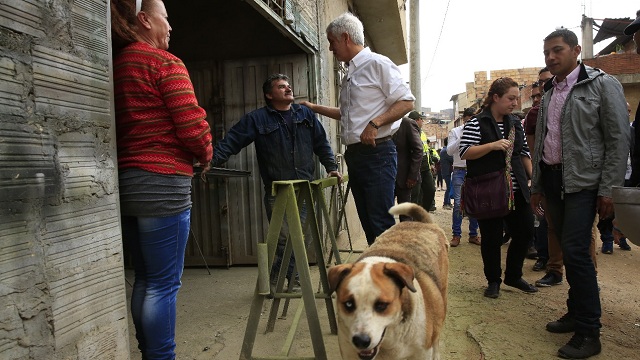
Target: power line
435, 51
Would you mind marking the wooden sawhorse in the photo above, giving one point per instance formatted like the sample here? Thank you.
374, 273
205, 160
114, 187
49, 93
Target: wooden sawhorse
289, 198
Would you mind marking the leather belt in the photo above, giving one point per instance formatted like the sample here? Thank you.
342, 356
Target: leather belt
554, 167
378, 141
459, 168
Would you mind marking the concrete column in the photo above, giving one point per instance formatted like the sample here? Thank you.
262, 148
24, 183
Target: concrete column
587, 37
414, 51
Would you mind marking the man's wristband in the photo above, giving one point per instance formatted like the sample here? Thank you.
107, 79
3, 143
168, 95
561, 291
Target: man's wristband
374, 125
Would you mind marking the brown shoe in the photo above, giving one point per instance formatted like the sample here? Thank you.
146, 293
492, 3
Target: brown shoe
474, 240
455, 241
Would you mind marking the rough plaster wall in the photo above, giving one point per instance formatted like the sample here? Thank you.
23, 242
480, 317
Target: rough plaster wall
61, 274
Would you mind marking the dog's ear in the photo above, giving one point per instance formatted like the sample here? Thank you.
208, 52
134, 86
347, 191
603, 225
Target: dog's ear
402, 274
336, 274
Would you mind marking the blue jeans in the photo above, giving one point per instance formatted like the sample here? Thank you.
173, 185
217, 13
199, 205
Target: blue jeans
269, 201
157, 246
372, 177
447, 193
605, 226
572, 215
457, 179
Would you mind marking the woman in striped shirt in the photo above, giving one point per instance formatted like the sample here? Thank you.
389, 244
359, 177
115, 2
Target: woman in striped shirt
484, 144
161, 131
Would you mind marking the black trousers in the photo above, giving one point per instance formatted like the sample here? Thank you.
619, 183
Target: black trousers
428, 188
520, 223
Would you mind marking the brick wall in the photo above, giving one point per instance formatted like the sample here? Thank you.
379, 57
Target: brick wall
616, 64
524, 77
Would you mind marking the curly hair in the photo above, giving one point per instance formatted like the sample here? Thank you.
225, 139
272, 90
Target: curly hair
499, 87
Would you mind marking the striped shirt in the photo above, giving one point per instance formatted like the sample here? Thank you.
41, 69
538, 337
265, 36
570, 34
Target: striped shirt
471, 137
159, 126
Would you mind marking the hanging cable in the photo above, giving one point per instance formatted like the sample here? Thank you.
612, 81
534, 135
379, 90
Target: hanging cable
435, 51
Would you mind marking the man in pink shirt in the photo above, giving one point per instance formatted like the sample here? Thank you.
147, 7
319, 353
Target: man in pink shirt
581, 146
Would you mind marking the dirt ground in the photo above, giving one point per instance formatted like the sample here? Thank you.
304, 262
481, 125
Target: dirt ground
213, 311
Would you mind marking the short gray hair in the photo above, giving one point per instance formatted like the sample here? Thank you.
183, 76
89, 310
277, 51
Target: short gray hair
349, 24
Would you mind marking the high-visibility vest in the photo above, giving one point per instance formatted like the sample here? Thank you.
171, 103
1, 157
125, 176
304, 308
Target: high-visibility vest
425, 143
430, 154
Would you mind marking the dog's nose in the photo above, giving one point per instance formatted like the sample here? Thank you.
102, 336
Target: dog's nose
361, 341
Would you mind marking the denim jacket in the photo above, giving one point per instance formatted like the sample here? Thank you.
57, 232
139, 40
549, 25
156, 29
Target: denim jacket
281, 155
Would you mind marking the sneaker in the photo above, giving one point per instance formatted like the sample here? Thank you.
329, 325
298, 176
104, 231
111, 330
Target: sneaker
622, 243
565, 324
455, 241
549, 279
607, 247
492, 291
580, 347
540, 264
532, 253
475, 240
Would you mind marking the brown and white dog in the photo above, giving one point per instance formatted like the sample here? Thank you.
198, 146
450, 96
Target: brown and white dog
392, 301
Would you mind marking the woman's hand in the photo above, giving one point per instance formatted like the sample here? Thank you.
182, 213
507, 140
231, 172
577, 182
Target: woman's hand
502, 144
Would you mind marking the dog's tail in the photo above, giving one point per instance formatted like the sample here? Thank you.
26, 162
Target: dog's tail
415, 211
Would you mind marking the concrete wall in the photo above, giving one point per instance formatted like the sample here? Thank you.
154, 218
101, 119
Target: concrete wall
328, 84
61, 273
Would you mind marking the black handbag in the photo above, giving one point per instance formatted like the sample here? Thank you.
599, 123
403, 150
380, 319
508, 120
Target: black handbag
489, 195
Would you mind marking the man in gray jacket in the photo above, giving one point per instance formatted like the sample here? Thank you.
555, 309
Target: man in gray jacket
580, 153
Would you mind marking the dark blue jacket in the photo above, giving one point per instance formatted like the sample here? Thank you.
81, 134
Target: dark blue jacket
281, 156
446, 163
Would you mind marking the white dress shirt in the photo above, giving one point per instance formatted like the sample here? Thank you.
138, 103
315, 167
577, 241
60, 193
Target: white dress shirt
453, 146
372, 84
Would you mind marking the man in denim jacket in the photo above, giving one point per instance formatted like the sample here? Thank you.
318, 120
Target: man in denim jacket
286, 135
580, 153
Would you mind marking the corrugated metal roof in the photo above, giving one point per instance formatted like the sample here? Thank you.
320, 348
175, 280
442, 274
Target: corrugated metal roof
611, 28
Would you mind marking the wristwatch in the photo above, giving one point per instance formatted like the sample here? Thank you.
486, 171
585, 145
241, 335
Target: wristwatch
374, 125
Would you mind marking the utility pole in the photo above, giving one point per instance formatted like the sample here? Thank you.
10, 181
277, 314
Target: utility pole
587, 37
415, 80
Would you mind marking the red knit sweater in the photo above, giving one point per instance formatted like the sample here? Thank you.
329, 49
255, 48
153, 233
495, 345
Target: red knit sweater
159, 125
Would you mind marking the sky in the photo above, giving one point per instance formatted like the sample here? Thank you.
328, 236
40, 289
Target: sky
494, 35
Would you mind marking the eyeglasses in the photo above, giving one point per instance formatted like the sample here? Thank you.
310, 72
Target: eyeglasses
541, 82
536, 96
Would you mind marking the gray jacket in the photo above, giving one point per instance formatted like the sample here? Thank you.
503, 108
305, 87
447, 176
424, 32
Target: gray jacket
594, 127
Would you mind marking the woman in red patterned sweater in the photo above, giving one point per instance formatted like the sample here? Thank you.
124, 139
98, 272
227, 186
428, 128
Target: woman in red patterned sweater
161, 131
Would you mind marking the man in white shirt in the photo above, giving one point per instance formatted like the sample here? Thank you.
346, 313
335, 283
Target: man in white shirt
373, 98
457, 178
